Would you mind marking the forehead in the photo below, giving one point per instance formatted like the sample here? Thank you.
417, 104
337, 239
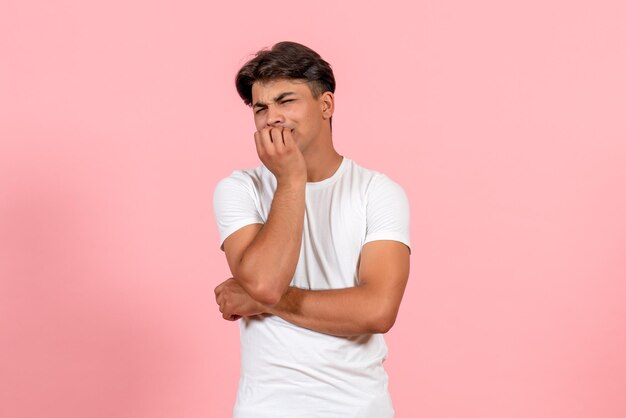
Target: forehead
266, 91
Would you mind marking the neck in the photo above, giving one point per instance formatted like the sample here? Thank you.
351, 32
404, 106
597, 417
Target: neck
322, 160
321, 167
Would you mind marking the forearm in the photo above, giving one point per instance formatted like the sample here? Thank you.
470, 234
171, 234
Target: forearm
269, 263
340, 312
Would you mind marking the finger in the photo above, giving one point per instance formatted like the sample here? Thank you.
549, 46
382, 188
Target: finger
288, 138
228, 315
265, 135
218, 294
277, 136
280, 142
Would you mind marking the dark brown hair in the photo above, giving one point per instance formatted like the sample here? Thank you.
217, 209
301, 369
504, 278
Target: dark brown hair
285, 60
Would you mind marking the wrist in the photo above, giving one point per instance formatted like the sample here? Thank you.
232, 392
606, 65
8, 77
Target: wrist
291, 182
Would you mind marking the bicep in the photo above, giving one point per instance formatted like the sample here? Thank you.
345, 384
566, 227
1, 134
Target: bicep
384, 269
236, 244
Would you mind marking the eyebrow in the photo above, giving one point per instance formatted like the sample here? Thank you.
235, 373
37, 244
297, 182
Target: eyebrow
277, 98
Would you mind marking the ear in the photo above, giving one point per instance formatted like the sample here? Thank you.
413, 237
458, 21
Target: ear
327, 104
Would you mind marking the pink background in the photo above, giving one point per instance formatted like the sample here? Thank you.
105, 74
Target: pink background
504, 123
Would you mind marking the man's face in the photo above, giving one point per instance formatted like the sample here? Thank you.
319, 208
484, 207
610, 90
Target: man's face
289, 104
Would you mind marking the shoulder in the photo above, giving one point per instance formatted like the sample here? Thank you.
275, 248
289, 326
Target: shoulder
376, 182
383, 182
242, 179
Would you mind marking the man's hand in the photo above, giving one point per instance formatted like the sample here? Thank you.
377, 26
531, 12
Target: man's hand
280, 154
234, 302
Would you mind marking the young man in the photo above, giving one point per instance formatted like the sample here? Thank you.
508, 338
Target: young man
318, 247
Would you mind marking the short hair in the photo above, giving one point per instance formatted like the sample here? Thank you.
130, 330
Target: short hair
285, 60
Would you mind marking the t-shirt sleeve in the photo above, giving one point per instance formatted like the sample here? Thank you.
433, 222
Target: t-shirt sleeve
234, 206
387, 212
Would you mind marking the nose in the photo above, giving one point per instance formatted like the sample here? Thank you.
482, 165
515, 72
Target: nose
274, 116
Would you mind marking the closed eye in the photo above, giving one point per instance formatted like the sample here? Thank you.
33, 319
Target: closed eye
280, 102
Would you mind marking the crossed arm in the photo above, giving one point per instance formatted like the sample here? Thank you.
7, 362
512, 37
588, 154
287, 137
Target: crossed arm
370, 307
263, 258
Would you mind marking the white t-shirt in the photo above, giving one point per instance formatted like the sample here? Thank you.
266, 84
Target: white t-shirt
290, 371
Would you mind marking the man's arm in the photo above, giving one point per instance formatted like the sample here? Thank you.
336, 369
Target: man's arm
263, 257
370, 307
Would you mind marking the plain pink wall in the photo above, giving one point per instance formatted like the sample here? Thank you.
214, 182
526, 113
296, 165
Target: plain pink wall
504, 123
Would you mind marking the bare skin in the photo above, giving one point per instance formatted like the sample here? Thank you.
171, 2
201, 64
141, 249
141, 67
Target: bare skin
369, 308
269, 261
294, 141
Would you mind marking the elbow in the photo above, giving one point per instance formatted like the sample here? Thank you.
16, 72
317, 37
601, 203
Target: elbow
383, 322
267, 295
260, 289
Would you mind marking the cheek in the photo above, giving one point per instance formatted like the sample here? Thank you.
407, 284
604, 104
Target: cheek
259, 122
